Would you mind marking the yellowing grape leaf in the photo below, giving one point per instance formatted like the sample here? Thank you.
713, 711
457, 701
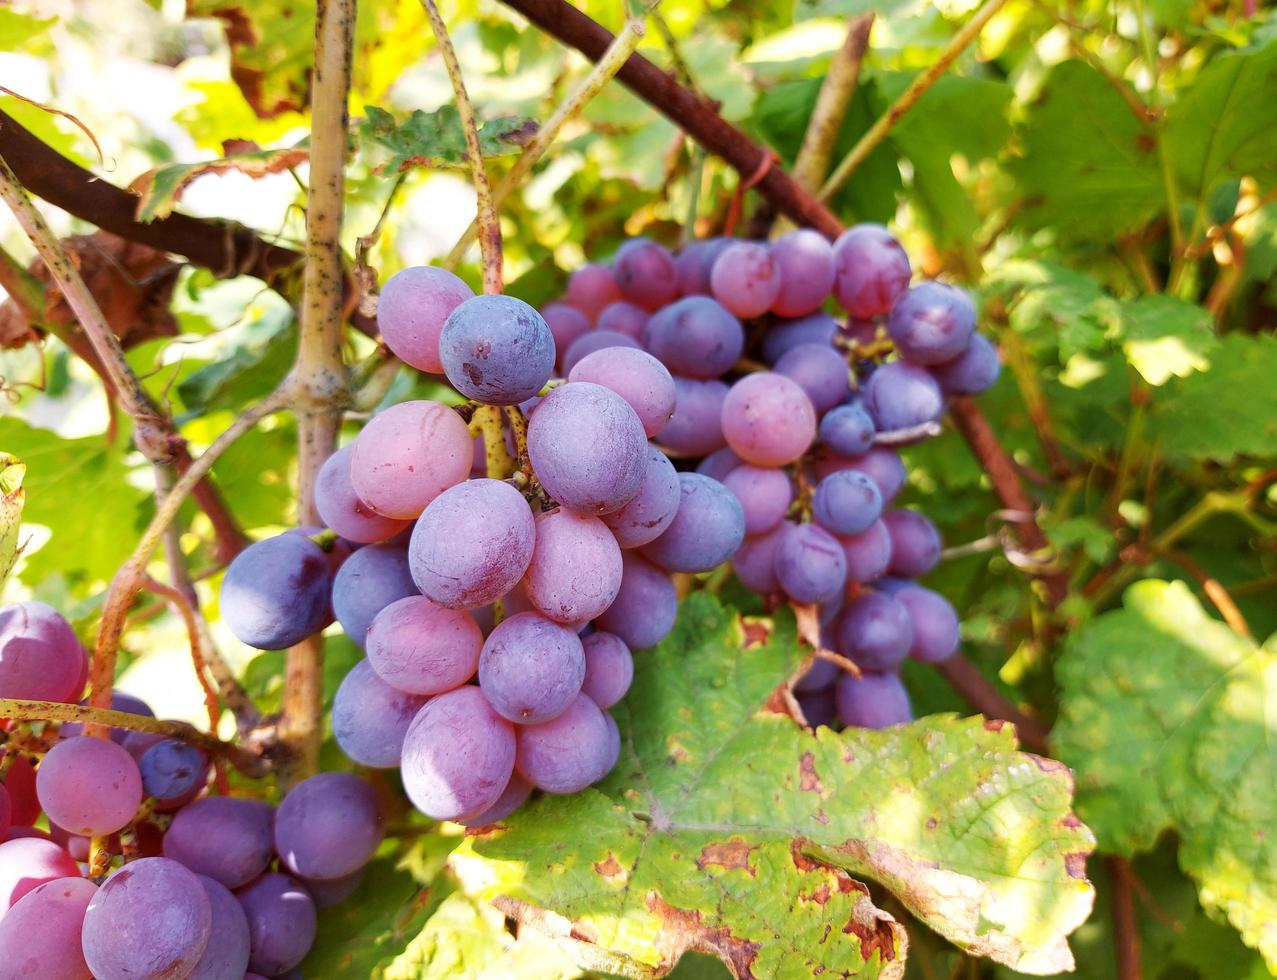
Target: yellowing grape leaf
160, 189
1170, 720
436, 139
727, 829
12, 497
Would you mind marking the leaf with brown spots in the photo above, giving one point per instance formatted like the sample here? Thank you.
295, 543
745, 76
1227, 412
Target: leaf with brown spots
727, 829
160, 189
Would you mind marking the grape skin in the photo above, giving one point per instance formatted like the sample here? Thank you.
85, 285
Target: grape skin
590, 288
457, 756
370, 718
872, 270
817, 328
624, 317
566, 324
645, 273
568, 753
820, 371
575, 571
228, 839
411, 310
764, 494
915, 543
810, 564
931, 323
868, 553
707, 528
718, 464
41, 658
847, 430
277, 592
609, 669
340, 507
806, 262
971, 372
592, 342
934, 621
328, 826
872, 701
531, 669
696, 337
27, 863
226, 955
647, 516
409, 454
899, 395
638, 377
281, 923
474, 542
696, 428
497, 350
512, 797
768, 420
90, 786
644, 610
746, 279
847, 502
875, 631
173, 772
40, 935
420, 647
755, 560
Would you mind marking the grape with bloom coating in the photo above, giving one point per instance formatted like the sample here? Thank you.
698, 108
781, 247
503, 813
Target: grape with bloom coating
645, 273
746, 279
696, 337
421, 647
872, 270
566, 324
899, 395
810, 564
971, 372
819, 370
755, 560
277, 592
883, 466
457, 756
370, 718
718, 464
152, 918
226, 955
328, 826
647, 516
281, 923
40, 935
40, 656
934, 621
644, 610
28, 862
531, 669
575, 571
568, 753
635, 375
868, 553
609, 668
696, 427
408, 455
931, 323
411, 310
817, 328
847, 502
497, 350
806, 262
768, 419
624, 317
915, 543
340, 507
474, 541
588, 448
707, 528
875, 632
173, 772
229, 839
590, 288
89, 786
514, 795
872, 700
371, 579
592, 342
764, 494
847, 430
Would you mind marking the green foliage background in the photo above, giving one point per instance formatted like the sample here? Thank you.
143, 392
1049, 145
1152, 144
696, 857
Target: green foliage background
1102, 175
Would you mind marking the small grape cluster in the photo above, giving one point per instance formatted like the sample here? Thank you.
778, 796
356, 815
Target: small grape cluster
212, 886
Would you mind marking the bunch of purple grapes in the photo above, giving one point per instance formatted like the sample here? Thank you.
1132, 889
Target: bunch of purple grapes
207, 887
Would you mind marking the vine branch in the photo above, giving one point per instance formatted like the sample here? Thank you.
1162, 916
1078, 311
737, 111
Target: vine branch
836, 92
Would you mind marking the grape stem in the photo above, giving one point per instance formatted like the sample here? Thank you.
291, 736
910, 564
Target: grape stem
519, 426
486, 422
590, 86
489, 223
243, 760
319, 375
903, 437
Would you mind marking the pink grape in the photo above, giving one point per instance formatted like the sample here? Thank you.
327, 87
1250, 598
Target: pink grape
609, 669
419, 646
512, 797
768, 419
589, 343
755, 560
90, 786
638, 377
568, 753
411, 311
764, 494
531, 668
868, 553
806, 262
41, 658
40, 935
746, 279
932, 323
575, 571
408, 455
566, 323
645, 273
590, 288
696, 337
872, 270
623, 317
27, 863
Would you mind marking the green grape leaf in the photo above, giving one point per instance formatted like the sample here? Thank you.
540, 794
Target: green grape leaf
1228, 410
160, 189
436, 139
250, 360
1169, 719
1165, 337
12, 497
1222, 125
728, 829
1088, 166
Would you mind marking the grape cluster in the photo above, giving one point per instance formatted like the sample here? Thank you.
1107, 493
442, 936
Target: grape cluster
212, 886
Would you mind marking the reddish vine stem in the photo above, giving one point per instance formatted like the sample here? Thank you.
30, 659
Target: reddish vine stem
966, 678
1125, 928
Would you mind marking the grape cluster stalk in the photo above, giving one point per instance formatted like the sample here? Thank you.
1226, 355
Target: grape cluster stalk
738, 405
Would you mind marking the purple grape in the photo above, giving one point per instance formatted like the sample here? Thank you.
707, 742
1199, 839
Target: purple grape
818, 328
609, 669
590, 288
40, 935
90, 786
810, 564
971, 372
588, 448
822, 674
28, 862
281, 923
695, 337
645, 273
847, 430
872, 701
408, 455
915, 543
173, 772
718, 464
418, 646
755, 560
340, 507
531, 669
868, 553
820, 708
152, 918
764, 494
371, 579
512, 797
696, 428
883, 466
746, 279
875, 632
768, 419
568, 753
707, 529
327, 894
694, 264
644, 610
623, 317
226, 955
872, 270
41, 658
612, 751
899, 395
370, 717
411, 311
591, 343
931, 323
647, 516
227, 839
457, 756
820, 371
497, 350
846, 502
474, 542
935, 624
566, 324
575, 570
329, 826
277, 592
806, 262
636, 376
